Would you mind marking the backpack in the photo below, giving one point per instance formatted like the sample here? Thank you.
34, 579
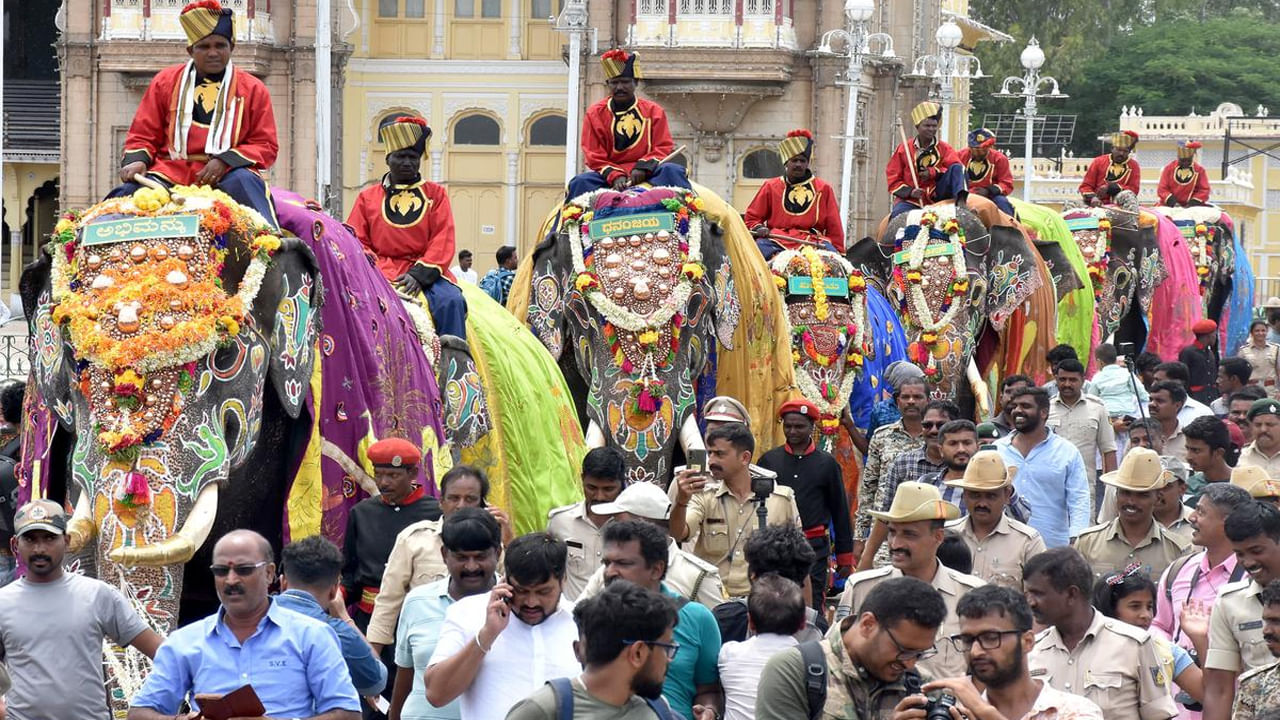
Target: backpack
815, 676
563, 690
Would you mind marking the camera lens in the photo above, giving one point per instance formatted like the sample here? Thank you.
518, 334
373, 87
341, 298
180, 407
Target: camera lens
940, 709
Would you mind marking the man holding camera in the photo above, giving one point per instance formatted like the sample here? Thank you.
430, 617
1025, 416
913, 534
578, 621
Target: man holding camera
724, 514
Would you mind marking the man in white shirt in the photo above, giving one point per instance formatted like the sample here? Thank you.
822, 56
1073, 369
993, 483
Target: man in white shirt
775, 612
498, 648
1192, 408
463, 270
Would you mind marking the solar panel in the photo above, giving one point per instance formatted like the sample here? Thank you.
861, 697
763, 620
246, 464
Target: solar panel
1049, 133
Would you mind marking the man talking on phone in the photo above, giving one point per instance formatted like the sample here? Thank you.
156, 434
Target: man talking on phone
723, 512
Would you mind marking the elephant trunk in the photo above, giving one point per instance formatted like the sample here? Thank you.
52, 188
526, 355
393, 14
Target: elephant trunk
182, 545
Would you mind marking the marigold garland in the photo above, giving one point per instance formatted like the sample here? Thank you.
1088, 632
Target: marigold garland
910, 282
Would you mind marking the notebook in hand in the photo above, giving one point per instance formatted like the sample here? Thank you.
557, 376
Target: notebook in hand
242, 702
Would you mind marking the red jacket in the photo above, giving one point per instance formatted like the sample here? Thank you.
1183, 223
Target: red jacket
253, 128
796, 210
613, 143
995, 171
1102, 171
404, 225
930, 164
1184, 187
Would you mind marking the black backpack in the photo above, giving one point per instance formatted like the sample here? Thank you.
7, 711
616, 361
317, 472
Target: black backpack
815, 676
563, 689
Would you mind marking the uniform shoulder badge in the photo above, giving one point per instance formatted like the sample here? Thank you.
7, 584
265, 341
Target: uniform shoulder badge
699, 562
562, 509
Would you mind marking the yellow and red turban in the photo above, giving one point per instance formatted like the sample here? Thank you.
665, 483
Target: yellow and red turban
797, 142
1125, 140
924, 111
620, 63
404, 133
1187, 150
201, 19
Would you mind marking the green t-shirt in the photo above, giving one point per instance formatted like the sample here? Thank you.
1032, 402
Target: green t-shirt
697, 660
542, 706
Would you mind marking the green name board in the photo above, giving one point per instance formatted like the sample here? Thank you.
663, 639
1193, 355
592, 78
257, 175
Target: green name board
141, 228
932, 251
803, 285
632, 225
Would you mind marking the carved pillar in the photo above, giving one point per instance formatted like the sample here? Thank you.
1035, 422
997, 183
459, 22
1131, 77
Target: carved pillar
513, 196
437, 50
516, 27
437, 162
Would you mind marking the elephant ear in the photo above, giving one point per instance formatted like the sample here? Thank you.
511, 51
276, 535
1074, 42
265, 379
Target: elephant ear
726, 310
51, 357
549, 284
1011, 272
288, 307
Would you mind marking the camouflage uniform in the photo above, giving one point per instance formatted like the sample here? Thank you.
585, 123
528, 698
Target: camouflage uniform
1258, 691
887, 444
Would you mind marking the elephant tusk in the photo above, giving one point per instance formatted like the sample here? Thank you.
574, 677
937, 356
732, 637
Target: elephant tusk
595, 436
181, 546
979, 386
690, 437
80, 528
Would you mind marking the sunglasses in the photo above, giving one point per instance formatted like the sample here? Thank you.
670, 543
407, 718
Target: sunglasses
669, 648
240, 570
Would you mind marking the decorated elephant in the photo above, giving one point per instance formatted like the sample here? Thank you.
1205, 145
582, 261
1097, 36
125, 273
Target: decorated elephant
654, 299
1210, 236
1068, 272
957, 285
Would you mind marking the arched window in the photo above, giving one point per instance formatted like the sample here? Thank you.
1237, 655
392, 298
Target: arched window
477, 130
377, 137
548, 130
761, 164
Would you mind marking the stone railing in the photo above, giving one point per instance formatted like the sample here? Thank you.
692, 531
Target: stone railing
713, 23
157, 20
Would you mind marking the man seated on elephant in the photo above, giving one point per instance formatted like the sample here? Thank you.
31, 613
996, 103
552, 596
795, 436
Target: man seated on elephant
987, 169
796, 208
1115, 171
924, 169
407, 224
1183, 182
204, 122
625, 138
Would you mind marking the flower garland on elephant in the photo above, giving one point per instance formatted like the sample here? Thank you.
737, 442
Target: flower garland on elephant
1097, 257
910, 280
623, 325
850, 346
1199, 240
169, 308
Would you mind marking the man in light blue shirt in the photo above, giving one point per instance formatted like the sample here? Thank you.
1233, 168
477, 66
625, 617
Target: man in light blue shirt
292, 661
471, 541
311, 574
1051, 475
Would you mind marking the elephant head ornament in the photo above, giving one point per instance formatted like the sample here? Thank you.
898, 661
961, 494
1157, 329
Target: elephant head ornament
1124, 267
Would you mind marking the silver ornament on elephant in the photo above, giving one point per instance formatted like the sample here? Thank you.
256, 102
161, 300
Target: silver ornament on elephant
662, 256
613, 260
641, 289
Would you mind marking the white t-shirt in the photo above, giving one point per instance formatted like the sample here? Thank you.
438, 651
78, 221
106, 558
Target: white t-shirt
468, 275
741, 664
523, 658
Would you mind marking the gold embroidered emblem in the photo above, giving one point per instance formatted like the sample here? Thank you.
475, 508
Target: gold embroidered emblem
1117, 171
1183, 175
405, 202
977, 168
206, 96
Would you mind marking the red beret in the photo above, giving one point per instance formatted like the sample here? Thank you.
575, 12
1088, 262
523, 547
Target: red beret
394, 452
801, 406
1204, 327
1237, 435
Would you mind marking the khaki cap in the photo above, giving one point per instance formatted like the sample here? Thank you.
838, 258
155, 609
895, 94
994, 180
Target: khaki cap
915, 502
986, 471
1140, 471
1255, 481
723, 408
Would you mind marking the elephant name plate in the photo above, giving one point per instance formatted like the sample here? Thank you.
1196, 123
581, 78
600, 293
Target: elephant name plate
143, 228
940, 250
803, 285
631, 224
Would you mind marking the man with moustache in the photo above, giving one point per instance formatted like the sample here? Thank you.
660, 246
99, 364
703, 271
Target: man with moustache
292, 661
1259, 687
626, 646
579, 526
1146, 433
1167, 400
1178, 372
1111, 663
1050, 472
1238, 406
1170, 511
1082, 420
471, 542
999, 544
996, 639
52, 624
818, 483
1235, 625
498, 647
1264, 451
797, 208
915, 522
911, 466
889, 441
1134, 537
957, 441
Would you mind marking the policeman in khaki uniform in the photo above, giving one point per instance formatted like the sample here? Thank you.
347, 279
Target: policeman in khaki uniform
578, 526
1134, 536
999, 544
915, 521
415, 560
692, 577
1257, 483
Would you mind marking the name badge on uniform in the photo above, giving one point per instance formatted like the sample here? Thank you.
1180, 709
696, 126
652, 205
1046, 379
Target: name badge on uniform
1255, 625
573, 544
1037, 672
715, 521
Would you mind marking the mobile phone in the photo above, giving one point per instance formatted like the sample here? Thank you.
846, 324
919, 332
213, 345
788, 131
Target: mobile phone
698, 460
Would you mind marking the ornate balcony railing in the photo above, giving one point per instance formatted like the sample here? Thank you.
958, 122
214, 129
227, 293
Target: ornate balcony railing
149, 20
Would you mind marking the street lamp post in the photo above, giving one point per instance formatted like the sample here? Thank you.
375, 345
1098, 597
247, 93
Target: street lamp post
1032, 60
946, 67
857, 50
573, 21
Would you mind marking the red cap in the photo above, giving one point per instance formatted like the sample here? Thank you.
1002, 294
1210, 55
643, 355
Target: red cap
1237, 435
801, 406
1204, 327
394, 452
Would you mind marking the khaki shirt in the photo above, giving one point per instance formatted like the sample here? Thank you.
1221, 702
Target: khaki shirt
692, 577
1235, 629
723, 524
1087, 426
415, 560
1251, 455
1182, 526
1115, 665
1176, 444
1107, 550
998, 558
584, 541
953, 586
1264, 361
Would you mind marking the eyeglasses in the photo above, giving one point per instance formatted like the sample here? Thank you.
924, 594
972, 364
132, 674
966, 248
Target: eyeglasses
905, 655
989, 640
669, 648
930, 425
240, 570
